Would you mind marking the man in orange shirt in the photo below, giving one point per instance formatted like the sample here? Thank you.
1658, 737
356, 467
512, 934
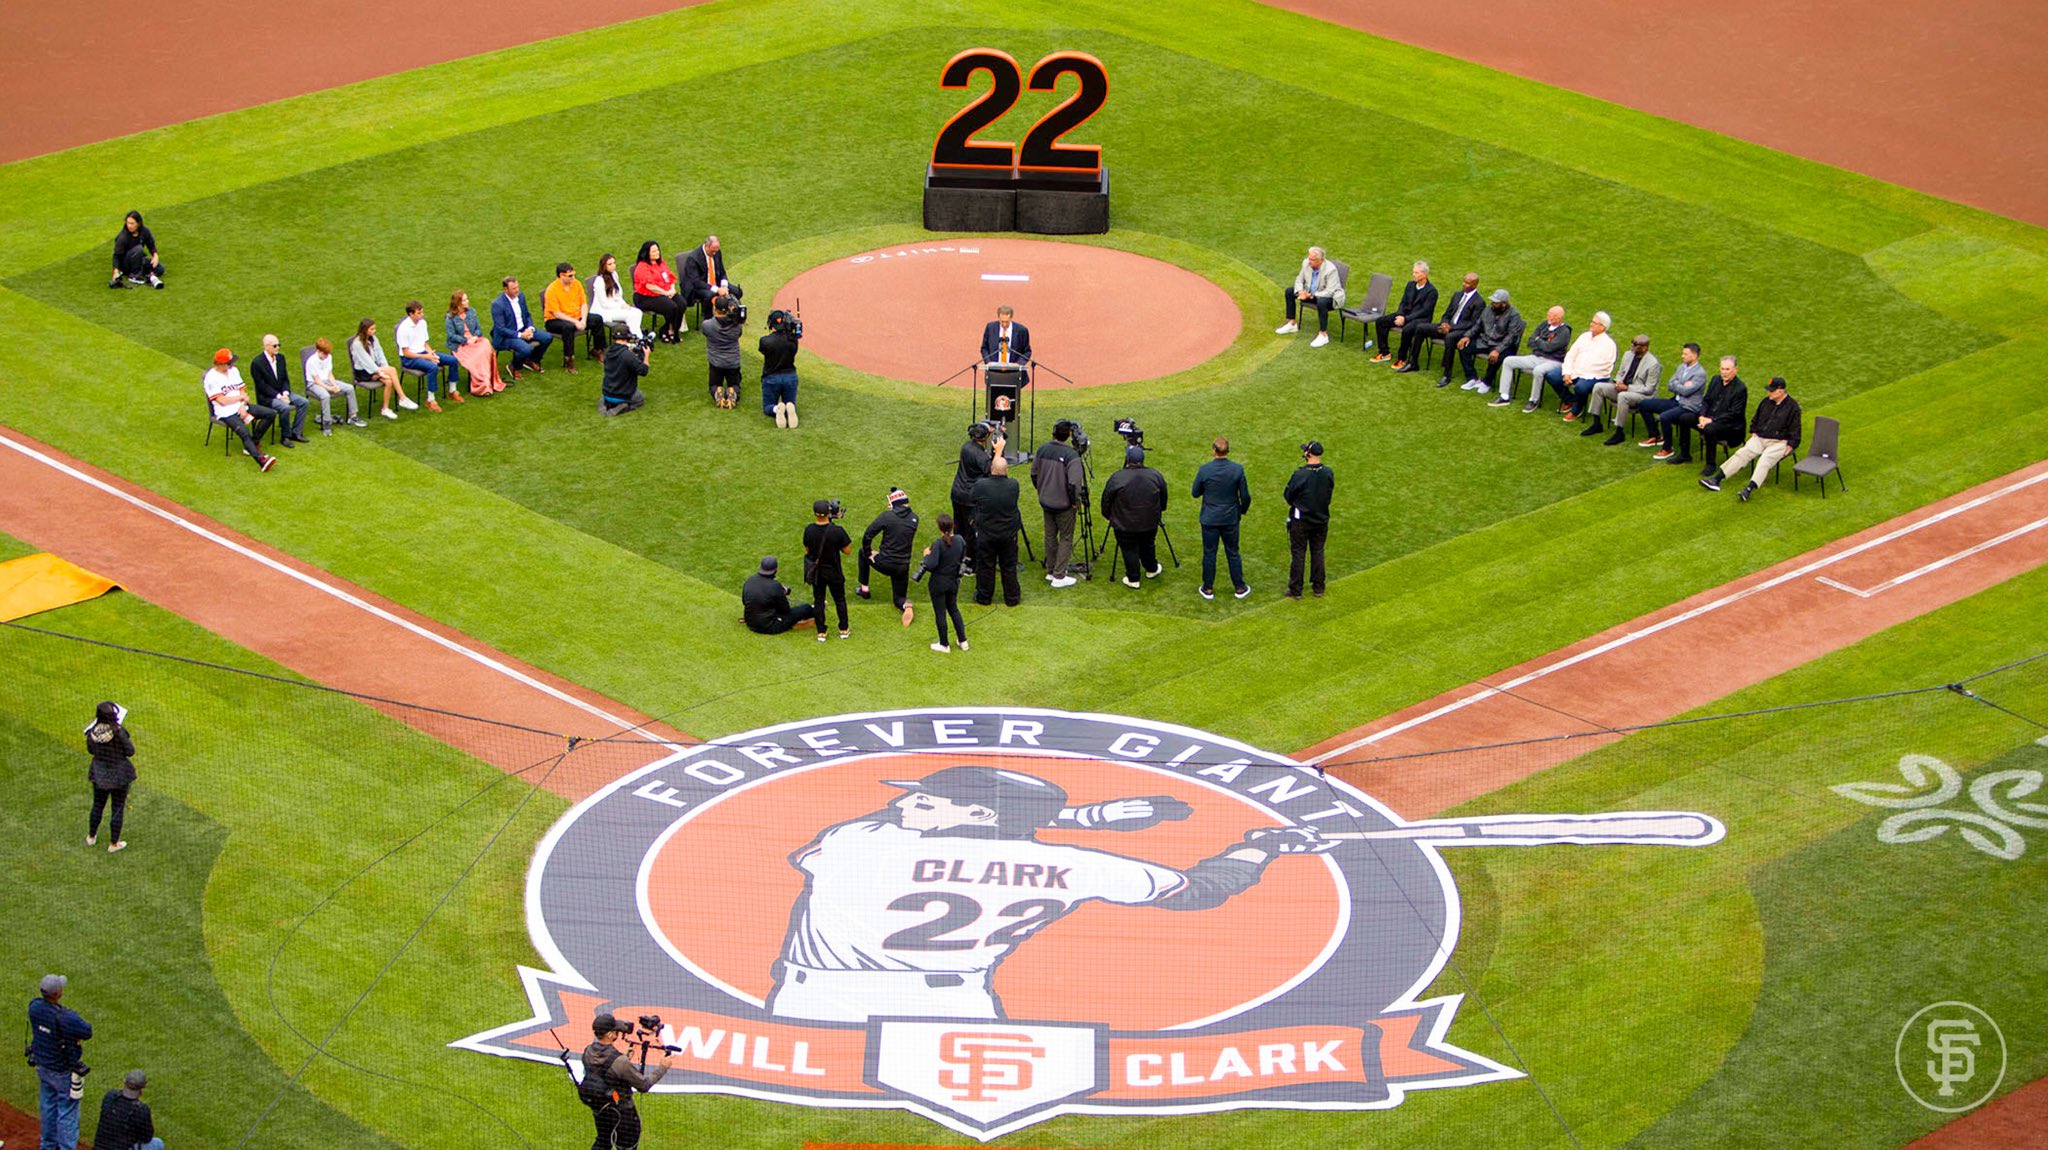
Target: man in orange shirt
565, 311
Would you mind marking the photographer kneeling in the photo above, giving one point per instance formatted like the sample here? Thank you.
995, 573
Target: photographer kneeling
897, 530
778, 366
625, 361
722, 349
764, 603
610, 1080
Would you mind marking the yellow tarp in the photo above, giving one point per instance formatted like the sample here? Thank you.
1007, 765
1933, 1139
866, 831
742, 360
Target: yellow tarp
44, 582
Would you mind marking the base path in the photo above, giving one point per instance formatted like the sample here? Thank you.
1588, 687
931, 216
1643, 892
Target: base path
1691, 653
916, 312
341, 635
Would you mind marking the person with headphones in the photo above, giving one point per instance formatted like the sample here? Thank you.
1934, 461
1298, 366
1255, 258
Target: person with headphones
610, 1079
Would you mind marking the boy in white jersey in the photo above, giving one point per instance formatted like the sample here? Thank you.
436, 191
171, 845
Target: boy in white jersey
908, 911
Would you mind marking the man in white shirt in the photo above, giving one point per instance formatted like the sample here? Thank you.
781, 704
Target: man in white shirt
230, 403
1316, 283
1588, 362
416, 353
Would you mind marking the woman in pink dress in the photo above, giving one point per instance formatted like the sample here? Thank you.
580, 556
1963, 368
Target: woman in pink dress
467, 344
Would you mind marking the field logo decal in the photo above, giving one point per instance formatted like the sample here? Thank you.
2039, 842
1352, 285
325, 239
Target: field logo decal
991, 917
1924, 817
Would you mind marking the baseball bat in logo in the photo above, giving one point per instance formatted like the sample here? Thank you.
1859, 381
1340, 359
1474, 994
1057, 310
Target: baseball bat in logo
974, 914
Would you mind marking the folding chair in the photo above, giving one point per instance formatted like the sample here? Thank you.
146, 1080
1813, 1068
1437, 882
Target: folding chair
1373, 307
1823, 456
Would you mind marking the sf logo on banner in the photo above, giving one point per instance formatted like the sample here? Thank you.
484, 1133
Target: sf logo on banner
986, 1062
957, 152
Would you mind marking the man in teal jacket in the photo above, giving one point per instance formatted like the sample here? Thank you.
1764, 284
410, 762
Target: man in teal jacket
1225, 496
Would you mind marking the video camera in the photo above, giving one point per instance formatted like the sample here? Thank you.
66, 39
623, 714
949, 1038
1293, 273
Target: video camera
788, 323
831, 509
1075, 436
981, 429
1132, 433
733, 309
647, 1034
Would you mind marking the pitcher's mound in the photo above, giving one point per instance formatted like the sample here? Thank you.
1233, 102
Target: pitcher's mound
1099, 315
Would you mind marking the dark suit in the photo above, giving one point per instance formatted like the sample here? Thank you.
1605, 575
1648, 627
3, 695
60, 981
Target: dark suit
992, 342
1462, 313
1727, 404
1418, 307
505, 329
700, 276
274, 396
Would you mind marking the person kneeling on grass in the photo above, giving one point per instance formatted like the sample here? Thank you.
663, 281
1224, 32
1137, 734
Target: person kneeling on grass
885, 547
778, 366
135, 258
230, 402
1773, 435
722, 352
765, 605
625, 362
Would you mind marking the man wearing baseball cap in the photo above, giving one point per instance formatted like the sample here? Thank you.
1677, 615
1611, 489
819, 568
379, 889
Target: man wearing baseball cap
125, 1120
886, 546
55, 1030
1308, 517
610, 1079
230, 404
764, 602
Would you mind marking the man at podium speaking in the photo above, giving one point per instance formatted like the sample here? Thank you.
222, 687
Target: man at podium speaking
1005, 341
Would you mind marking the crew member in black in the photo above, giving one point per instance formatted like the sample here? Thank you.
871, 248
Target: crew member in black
765, 605
610, 1079
942, 561
975, 455
997, 521
896, 528
1133, 503
111, 774
135, 258
125, 1119
1057, 473
824, 542
778, 368
624, 364
1308, 517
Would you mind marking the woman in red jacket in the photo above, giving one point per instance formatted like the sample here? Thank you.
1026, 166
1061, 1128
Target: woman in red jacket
654, 289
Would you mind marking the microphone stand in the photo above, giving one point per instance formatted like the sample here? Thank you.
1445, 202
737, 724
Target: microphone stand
974, 387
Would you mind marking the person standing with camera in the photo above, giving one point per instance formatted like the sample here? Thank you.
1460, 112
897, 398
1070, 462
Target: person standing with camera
722, 350
942, 561
1220, 485
111, 774
1308, 518
997, 521
626, 360
984, 444
55, 1030
1134, 504
897, 530
610, 1080
778, 367
1062, 488
824, 542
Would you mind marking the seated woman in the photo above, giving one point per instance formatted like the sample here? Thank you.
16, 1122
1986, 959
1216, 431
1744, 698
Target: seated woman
321, 385
366, 356
609, 301
416, 353
135, 258
655, 289
475, 353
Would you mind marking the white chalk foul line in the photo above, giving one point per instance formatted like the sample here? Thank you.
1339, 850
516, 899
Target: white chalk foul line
329, 589
1620, 641
1005, 278
1937, 565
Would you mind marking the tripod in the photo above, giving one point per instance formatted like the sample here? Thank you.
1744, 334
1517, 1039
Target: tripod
1112, 545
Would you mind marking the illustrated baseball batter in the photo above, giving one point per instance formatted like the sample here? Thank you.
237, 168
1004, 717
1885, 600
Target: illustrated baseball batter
909, 910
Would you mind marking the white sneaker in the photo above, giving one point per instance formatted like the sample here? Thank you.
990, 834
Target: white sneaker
388, 413
1156, 571
1322, 339
963, 644
408, 404
1065, 581
941, 648
792, 413
1288, 328
1130, 582
781, 416
92, 840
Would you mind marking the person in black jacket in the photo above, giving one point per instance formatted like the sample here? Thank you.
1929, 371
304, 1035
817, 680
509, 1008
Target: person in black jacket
111, 774
1133, 504
942, 560
625, 362
1308, 517
125, 1119
274, 393
135, 255
896, 528
1496, 338
765, 605
1721, 420
1057, 473
996, 523
610, 1079
703, 273
1773, 435
1411, 319
1460, 323
984, 444
778, 366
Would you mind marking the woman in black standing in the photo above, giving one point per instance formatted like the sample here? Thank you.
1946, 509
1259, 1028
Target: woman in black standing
942, 563
112, 772
135, 258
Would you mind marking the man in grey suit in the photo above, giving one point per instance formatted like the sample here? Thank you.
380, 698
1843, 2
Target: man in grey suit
1635, 376
1315, 284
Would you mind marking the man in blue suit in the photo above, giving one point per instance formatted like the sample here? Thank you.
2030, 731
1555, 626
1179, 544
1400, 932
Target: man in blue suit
1004, 340
512, 329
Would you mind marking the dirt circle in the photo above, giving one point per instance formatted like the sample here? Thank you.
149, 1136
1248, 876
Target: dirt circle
916, 312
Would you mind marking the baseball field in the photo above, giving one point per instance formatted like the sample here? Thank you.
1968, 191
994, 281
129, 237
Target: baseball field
372, 686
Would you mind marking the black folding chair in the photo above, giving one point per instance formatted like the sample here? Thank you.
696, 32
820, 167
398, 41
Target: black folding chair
1373, 307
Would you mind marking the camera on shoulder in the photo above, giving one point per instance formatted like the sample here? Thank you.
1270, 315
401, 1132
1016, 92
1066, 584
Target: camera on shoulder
1132, 433
829, 508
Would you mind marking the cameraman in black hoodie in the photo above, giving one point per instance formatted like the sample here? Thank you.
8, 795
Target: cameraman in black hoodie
896, 528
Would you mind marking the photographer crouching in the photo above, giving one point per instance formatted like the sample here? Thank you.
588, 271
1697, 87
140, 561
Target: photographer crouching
625, 362
824, 542
610, 1079
778, 366
896, 528
984, 444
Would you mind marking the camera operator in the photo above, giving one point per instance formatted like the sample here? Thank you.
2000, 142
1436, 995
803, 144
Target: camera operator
997, 521
984, 444
897, 530
778, 366
625, 361
1308, 517
55, 1030
610, 1080
764, 602
722, 350
1062, 488
824, 542
1133, 503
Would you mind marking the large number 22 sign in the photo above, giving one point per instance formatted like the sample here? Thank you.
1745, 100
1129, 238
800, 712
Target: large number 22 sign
1042, 153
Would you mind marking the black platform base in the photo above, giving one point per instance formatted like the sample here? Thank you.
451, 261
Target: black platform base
1064, 212
1043, 207
969, 209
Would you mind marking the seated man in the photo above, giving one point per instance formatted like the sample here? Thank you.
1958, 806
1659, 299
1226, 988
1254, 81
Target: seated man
703, 274
1498, 335
1773, 435
274, 398
765, 606
125, 1119
1724, 407
230, 402
512, 329
625, 362
565, 311
416, 353
1686, 383
1590, 362
321, 385
1461, 319
1544, 362
1316, 283
1417, 308
1635, 379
